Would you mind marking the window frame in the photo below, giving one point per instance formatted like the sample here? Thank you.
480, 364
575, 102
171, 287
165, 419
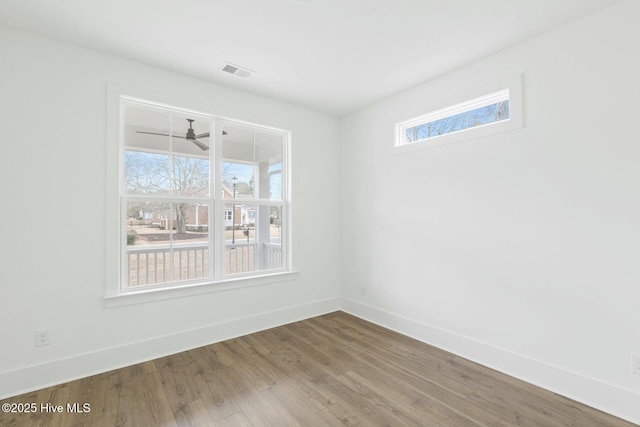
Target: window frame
464, 97
468, 106
117, 291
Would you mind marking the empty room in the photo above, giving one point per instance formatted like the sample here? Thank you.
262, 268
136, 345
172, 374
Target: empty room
320, 212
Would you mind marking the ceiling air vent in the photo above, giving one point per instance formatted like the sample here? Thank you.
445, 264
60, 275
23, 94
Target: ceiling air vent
237, 70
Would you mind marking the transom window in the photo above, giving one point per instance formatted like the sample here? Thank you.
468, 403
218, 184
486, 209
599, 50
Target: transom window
202, 199
482, 111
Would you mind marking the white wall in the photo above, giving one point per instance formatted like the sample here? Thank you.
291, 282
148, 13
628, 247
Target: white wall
53, 103
518, 250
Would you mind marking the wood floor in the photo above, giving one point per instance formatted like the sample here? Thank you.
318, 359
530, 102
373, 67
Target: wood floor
327, 371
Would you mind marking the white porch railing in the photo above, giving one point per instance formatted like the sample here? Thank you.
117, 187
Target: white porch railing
239, 258
272, 256
151, 264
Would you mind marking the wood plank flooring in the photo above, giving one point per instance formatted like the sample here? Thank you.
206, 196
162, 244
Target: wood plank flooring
331, 370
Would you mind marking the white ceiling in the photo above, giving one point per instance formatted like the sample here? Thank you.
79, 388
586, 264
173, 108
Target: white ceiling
330, 55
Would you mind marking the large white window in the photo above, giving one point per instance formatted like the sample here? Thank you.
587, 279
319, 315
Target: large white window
202, 199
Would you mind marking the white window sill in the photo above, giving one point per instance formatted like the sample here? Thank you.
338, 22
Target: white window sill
459, 136
180, 291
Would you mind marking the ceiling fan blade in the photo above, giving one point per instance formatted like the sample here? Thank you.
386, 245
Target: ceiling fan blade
162, 134
207, 134
199, 144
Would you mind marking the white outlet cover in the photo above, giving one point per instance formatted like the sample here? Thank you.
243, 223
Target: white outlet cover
41, 337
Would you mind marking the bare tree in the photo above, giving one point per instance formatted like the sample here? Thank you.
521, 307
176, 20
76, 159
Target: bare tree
480, 116
161, 174
190, 178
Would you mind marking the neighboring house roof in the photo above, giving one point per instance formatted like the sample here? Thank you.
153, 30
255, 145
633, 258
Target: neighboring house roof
227, 193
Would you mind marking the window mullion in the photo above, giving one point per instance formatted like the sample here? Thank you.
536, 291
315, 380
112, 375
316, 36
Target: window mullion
172, 214
218, 248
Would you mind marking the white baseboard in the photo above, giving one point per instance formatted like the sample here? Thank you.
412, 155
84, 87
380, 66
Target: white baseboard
30, 378
606, 397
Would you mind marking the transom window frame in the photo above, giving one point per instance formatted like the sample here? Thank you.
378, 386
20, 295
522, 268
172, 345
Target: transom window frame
463, 97
116, 294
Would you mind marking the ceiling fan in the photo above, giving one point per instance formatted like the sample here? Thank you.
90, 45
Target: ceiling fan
190, 135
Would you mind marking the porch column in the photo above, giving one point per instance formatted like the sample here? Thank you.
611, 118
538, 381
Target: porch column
263, 213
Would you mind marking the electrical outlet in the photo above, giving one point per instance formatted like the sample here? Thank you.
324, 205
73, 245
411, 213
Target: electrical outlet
635, 363
42, 337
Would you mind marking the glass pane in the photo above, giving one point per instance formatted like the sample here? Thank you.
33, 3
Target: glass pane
237, 181
190, 162
165, 154
146, 173
275, 181
148, 226
146, 129
191, 136
240, 238
166, 242
269, 154
271, 250
253, 156
190, 241
146, 154
493, 113
255, 242
190, 176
